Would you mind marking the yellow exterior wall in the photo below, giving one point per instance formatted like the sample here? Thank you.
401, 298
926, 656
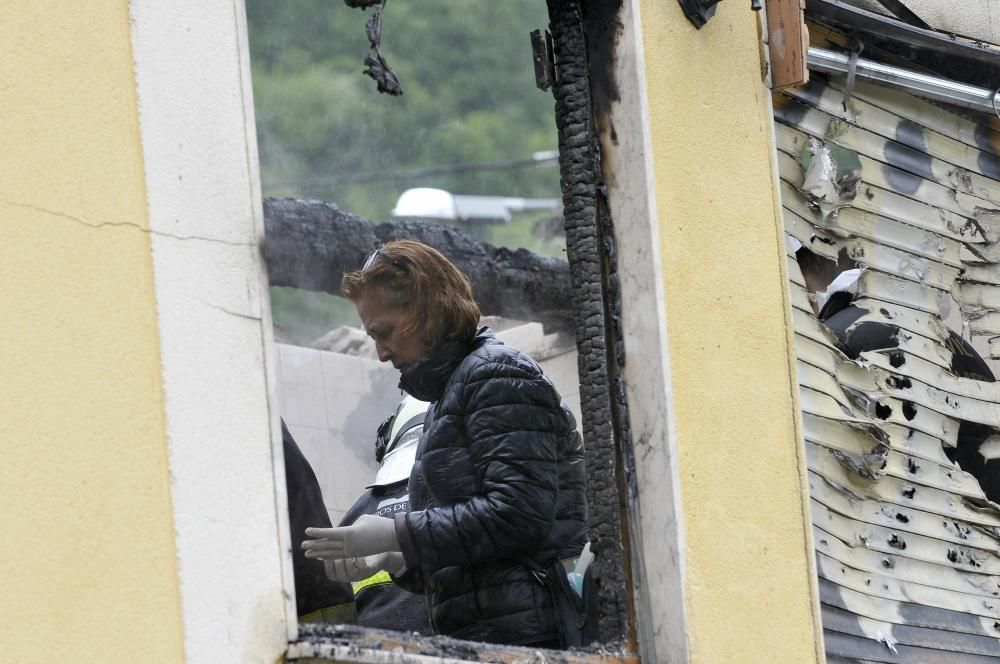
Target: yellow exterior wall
749, 586
87, 559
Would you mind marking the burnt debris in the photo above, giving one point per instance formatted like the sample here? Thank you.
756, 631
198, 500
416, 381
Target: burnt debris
376, 66
310, 244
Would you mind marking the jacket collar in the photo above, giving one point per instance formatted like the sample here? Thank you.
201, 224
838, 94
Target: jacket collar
426, 378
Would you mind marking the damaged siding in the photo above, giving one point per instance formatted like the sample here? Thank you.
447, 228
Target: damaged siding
906, 542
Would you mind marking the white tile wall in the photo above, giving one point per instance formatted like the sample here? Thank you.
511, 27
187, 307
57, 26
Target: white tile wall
562, 370
333, 404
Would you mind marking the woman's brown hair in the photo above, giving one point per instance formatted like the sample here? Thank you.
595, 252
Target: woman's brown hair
411, 276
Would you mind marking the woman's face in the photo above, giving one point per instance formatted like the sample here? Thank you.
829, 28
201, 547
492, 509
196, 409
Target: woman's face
383, 324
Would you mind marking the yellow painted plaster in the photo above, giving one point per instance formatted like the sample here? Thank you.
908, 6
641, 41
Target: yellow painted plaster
87, 559
750, 589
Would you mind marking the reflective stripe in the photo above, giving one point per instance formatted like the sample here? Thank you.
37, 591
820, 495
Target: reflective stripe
332, 615
378, 579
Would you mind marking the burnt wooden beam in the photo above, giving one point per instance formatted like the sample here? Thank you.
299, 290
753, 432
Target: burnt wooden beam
310, 244
590, 248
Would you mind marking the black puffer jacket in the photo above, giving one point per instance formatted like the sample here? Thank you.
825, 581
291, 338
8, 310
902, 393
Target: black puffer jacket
499, 478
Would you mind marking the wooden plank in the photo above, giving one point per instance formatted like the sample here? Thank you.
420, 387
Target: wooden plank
788, 43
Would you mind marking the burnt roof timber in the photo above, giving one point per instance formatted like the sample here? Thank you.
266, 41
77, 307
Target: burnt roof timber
957, 57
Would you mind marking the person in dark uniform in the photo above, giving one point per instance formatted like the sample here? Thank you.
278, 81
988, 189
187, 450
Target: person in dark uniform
380, 602
836, 309
317, 598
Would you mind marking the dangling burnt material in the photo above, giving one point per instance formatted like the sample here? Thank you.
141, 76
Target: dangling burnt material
375, 65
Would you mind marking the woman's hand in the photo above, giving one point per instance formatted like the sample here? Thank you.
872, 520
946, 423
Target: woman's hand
349, 570
365, 537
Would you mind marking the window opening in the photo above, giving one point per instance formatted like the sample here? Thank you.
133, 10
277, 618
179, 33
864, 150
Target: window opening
465, 161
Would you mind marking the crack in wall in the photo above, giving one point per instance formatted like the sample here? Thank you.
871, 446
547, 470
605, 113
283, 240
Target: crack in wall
121, 224
229, 312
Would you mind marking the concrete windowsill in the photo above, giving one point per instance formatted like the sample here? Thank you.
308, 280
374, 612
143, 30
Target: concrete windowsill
353, 644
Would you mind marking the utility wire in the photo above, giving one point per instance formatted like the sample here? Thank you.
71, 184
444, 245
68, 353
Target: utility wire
546, 158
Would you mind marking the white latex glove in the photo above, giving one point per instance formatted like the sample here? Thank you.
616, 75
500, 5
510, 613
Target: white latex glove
349, 570
367, 536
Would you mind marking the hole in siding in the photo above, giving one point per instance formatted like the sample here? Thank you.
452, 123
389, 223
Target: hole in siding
899, 383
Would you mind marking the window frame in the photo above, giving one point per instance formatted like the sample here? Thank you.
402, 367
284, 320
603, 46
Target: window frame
172, 100
591, 233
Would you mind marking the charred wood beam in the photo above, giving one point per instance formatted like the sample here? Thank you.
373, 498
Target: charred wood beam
310, 244
584, 214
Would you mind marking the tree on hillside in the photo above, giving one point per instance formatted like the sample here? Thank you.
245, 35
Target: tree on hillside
469, 97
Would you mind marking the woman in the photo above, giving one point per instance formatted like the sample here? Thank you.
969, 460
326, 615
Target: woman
497, 492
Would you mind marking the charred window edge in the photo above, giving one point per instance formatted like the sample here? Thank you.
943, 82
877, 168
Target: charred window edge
591, 251
361, 645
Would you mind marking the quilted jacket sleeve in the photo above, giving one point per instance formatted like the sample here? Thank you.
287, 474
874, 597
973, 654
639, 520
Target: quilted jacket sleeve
512, 422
